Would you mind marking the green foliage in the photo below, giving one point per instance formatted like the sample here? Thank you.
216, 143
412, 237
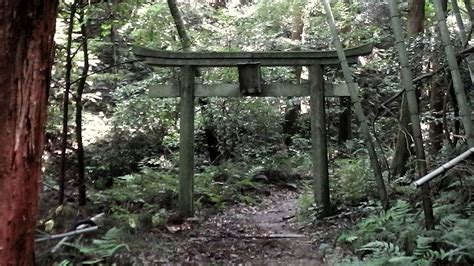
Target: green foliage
355, 180
154, 192
134, 166
139, 129
377, 248
242, 125
384, 226
153, 27
396, 237
99, 249
307, 208
225, 184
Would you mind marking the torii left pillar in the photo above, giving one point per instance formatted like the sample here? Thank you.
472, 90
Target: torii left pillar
186, 142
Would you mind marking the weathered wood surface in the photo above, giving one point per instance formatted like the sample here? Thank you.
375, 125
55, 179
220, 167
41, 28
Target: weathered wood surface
233, 59
233, 90
249, 79
319, 144
186, 143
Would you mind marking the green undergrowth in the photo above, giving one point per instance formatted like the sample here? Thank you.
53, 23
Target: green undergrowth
142, 206
146, 199
398, 236
351, 182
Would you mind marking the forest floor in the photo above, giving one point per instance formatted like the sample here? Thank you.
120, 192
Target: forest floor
266, 233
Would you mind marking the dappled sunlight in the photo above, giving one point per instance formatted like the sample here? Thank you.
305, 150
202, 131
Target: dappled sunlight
253, 132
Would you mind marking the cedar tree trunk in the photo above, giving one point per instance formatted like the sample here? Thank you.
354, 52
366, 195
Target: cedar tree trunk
26, 44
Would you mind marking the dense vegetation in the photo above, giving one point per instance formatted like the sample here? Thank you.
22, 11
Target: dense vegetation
120, 157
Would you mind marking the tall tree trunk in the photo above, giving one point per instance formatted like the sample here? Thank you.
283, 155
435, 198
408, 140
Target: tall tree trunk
416, 18
353, 89
297, 26
345, 117
464, 106
26, 44
212, 142
436, 95
289, 127
402, 142
81, 180
113, 36
67, 89
179, 22
463, 35
411, 97
470, 11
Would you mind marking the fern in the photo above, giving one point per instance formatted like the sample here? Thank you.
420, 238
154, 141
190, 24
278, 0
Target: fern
397, 237
422, 262
101, 248
347, 238
449, 221
469, 209
378, 248
424, 250
454, 255
460, 239
399, 211
397, 214
401, 260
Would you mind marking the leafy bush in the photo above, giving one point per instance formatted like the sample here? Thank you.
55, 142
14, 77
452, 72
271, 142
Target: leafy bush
243, 128
355, 180
140, 129
307, 208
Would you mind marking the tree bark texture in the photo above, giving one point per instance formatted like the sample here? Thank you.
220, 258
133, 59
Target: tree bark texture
464, 105
412, 103
415, 25
353, 90
81, 180
402, 142
416, 17
67, 89
464, 37
290, 127
26, 44
179, 22
436, 94
470, 10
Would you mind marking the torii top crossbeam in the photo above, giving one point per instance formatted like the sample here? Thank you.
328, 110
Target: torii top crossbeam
230, 59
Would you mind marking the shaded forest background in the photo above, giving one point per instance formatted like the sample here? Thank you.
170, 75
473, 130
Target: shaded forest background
112, 149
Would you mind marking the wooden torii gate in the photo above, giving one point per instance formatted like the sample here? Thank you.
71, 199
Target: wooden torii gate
250, 84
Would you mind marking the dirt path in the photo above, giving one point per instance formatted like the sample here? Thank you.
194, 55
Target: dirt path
265, 234
262, 234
